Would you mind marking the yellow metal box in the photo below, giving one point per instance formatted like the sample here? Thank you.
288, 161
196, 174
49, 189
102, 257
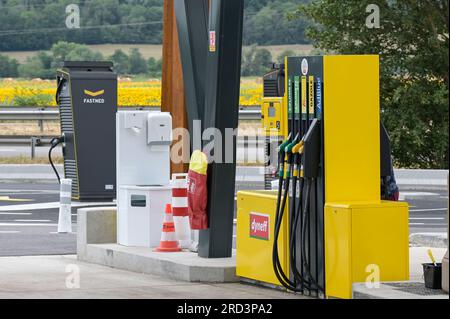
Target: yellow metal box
255, 234
365, 242
273, 116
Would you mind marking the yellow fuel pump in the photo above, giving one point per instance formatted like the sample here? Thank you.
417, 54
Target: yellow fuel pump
328, 226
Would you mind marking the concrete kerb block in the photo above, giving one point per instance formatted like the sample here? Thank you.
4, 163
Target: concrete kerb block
95, 226
97, 243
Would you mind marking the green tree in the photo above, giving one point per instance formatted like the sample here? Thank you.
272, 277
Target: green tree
154, 67
284, 54
39, 66
255, 61
37, 24
261, 61
8, 67
121, 62
138, 65
266, 23
413, 44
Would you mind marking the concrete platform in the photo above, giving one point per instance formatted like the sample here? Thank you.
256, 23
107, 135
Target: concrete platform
96, 243
65, 277
398, 290
412, 289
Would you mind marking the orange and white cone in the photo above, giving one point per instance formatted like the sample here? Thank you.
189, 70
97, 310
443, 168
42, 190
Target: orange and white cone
169, 242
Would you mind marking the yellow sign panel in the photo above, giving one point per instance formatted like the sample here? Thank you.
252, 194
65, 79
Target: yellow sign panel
311, 96
304, 95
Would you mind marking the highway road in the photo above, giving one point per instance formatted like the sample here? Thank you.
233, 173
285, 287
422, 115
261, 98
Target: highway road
25, 150
30, 228
249, 154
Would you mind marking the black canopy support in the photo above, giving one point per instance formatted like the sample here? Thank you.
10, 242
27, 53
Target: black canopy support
211, 59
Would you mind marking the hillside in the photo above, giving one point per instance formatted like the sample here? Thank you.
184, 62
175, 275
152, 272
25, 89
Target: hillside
38, 24
155, 50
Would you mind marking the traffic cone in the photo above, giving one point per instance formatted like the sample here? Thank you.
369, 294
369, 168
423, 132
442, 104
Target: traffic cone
169, 243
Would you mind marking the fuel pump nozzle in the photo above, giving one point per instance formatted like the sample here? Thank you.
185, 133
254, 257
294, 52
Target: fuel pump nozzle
281, 155
298, 148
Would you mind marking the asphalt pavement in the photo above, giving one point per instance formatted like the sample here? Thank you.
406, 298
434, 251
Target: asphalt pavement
248, 154
28, 227
428, 213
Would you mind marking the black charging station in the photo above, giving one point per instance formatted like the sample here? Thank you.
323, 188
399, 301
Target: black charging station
87, 100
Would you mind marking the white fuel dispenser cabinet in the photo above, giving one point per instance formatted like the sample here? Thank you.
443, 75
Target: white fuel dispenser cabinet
143, 175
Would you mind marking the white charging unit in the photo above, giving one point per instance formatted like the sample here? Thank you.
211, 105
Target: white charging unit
143, 175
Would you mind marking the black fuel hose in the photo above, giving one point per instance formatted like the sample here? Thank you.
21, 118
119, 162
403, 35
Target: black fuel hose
279, 273
292, 242
306, 211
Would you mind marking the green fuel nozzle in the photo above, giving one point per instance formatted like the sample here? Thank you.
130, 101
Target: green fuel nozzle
288, 148
281, 154
284, 144
288, 151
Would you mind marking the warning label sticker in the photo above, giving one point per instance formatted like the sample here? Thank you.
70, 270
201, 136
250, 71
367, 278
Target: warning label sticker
212, 41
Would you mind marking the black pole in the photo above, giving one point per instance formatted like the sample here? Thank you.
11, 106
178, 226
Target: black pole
222, 89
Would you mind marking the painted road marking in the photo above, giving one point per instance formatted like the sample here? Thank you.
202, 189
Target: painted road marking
27, 193
33, 220
7, 213
26, 224
416, 195
426, 218
3, 190
9, 231
51, 205
428, 210
426, 225
8, 199
55, 232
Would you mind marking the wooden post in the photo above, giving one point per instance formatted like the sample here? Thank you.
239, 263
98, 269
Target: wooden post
172, 95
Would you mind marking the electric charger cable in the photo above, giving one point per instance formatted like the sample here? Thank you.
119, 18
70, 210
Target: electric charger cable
54, 143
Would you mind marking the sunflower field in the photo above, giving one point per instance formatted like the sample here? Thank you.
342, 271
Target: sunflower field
39, 92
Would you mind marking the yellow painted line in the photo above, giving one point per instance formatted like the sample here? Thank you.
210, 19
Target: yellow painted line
8, 199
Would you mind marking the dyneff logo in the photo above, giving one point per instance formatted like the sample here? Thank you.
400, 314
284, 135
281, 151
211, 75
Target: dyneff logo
94, 97
259, 226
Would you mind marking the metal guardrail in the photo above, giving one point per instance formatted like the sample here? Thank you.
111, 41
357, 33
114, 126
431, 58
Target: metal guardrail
41, 114
52, 114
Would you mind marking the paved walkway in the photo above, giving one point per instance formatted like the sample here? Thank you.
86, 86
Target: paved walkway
55, 277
